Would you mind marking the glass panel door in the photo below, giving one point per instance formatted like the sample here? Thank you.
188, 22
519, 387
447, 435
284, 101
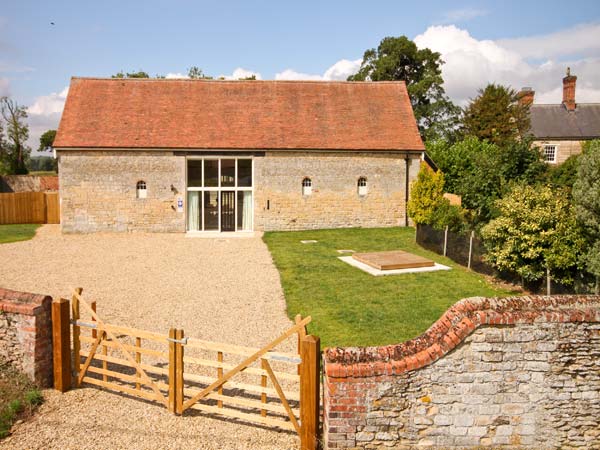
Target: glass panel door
228, 211
211, 210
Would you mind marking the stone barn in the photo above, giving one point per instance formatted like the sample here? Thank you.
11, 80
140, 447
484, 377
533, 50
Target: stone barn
202, 156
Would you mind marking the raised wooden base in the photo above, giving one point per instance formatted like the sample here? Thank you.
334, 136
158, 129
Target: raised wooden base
395, 259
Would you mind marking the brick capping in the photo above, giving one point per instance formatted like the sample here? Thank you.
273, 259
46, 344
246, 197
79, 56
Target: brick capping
23, 302
453, 327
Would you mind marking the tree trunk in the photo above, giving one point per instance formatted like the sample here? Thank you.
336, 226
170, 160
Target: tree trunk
548, 293
597, 288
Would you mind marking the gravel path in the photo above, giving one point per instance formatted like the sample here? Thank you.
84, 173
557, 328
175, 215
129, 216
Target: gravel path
224, 290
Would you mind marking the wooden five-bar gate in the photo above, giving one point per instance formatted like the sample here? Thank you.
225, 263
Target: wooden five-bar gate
256, 385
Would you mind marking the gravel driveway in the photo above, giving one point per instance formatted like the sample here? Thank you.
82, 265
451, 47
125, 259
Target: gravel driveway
216, 289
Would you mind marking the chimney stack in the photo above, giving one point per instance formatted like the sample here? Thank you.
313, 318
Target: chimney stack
569, 90
525, 96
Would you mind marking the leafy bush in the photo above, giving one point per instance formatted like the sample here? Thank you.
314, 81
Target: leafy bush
535, 232
427, 195
565, 174
586, 198
447, 215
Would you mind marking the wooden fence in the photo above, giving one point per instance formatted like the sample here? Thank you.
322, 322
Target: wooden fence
183, 373
29, 207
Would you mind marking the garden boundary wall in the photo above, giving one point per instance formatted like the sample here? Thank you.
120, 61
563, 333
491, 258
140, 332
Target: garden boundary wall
28, 183
26, 334
491, 372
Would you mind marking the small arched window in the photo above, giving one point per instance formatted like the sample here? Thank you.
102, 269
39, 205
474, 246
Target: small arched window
306, 186
362, 186
141, 190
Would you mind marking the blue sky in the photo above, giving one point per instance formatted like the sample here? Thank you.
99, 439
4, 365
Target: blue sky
514, 42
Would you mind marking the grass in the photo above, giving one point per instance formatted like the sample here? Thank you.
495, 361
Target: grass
15, 233
19, 398
350, 307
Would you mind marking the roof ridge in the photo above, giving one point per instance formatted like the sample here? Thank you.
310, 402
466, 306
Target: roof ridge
207, 80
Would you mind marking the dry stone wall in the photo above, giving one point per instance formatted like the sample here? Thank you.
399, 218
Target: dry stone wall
518, 372
26, 334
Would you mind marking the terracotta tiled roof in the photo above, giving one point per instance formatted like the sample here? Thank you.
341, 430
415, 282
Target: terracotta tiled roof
198, 114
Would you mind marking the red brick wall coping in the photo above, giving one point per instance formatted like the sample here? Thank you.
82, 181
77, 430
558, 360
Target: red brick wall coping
453, 327
22, 302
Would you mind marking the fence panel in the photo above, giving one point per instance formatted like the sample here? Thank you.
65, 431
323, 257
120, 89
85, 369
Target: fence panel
52, 207
29, 207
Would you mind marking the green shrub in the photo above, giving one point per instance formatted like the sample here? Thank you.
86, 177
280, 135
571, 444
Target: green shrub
427, 195
33, 398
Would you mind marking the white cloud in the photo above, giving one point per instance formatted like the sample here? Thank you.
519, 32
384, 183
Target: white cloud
462, 15
175, 75
44, 114
581, 39
470, 64
241, 73
341, 70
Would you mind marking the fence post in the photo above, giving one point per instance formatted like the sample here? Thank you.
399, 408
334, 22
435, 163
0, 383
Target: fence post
471, 248
75, 315
179, 372
61, 344
172, 371
310, 353
445, 239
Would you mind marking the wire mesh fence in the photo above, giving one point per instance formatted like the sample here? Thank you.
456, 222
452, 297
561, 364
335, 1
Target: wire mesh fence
468, 250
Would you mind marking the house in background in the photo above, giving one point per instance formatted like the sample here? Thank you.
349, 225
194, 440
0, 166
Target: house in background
235, 156
561, 129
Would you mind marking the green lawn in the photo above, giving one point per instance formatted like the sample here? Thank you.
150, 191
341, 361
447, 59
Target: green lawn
14, 233
351, 307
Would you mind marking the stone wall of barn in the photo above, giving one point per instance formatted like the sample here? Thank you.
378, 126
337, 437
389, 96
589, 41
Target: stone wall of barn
520, 372
98, 191
26, 334
335, 201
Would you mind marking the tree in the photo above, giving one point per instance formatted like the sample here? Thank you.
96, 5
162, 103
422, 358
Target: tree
398, 58
535, 235
496, 115
138, 74
586, 198
482, 172
196, 73
16, 151
46, 140
426, 195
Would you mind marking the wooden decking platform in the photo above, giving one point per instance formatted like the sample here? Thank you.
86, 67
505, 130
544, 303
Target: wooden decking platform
395, 259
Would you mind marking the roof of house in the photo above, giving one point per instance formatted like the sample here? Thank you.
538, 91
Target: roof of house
201, 114
554, 121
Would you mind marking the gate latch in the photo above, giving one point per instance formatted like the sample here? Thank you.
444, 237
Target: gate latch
178, 341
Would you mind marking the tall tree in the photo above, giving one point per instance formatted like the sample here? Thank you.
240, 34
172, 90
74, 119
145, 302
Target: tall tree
46, 140
17, 133
535, 235
586, 197
496, 115
398, 58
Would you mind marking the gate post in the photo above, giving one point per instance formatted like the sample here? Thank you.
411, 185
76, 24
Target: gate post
175, 371
61, 344
310, 353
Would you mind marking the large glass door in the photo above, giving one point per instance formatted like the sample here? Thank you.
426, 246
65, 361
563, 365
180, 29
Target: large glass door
227, 210
220, 194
